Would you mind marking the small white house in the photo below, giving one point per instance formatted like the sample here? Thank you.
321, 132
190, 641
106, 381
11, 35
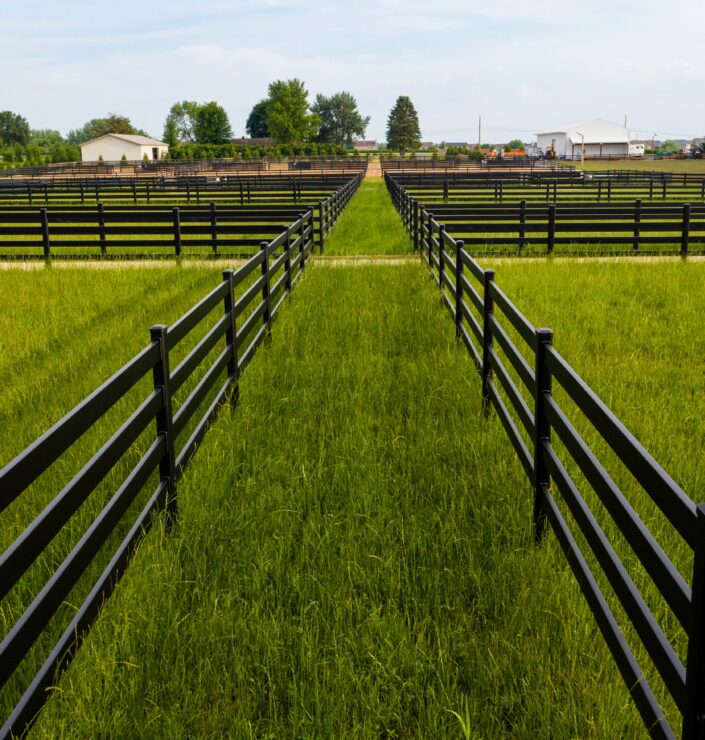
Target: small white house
636, 149
600, 138
112, 148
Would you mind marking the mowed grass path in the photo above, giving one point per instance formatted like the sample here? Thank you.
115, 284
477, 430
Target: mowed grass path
354, 556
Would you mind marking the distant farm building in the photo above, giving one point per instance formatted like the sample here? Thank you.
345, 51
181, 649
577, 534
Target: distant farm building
600, 138
367, 146
113, 147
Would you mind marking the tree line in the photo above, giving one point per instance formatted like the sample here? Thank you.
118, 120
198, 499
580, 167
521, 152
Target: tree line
328, 125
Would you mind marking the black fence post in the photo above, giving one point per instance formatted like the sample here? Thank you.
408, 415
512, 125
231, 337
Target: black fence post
551, 227
416, 225
177, 230
44, 219
231, 334
685, 229
134, 193
487, 312
522, 224
459, 244
287, 261
430, 241
267, 315
214, 228
441, 250
694, 712
542, 429
302, 245
320, 225
101, 229
167, 465
637, 222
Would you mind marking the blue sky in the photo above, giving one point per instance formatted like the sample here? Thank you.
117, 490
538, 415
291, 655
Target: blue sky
523, 65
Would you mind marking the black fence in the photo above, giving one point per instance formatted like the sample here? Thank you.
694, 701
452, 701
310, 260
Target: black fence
566, 228
224, 329
460, 163
231, 189
511, 187
188, 166
120, 232
530, 398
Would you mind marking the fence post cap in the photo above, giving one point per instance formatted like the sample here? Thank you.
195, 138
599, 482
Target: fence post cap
157, 330
544, 335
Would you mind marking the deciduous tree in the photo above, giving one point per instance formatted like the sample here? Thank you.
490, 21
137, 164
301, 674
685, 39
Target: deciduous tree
256, 125
288, 117
340, 119
14, 129
212, 125
181, 122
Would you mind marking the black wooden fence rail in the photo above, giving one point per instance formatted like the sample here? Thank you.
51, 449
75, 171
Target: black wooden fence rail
76, 232
524, 395
243, 190
634, 228
250, 298
547, 187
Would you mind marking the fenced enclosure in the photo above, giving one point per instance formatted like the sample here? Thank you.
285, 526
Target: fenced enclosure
547, 187
176, 167
464, 164
143, 231
568, 441
566, 228
146, 422
236, 190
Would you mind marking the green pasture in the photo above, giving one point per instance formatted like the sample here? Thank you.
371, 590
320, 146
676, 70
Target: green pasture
696, 166
354, 555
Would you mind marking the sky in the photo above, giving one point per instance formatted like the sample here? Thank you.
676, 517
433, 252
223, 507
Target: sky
524, 66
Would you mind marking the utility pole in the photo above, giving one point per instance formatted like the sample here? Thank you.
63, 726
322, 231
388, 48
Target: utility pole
625, 120
479, 132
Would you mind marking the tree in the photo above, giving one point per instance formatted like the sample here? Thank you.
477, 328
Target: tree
45, 137
14, 129
515, 144
113, 124
181, 123
256, 125
288, 117
403, 131
340, 119
212, 125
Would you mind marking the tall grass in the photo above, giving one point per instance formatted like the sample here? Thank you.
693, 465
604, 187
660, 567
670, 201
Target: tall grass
353, 557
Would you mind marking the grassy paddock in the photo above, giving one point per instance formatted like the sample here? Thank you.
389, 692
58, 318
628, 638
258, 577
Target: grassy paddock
370, 227
696, 166
354, 556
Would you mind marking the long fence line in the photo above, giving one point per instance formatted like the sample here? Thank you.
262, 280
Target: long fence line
484, 318
574, 227
226, 328
161, 167
228, 189
120, 232
512, 187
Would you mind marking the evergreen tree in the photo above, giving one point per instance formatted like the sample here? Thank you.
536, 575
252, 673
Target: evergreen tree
403, 131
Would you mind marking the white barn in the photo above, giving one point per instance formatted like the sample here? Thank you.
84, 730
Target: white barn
600, 138
112, 147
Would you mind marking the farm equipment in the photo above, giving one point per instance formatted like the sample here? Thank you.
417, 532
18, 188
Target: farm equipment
550, 152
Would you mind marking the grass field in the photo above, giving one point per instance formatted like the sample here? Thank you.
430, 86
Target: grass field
354, 555
371, 227
696, 166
